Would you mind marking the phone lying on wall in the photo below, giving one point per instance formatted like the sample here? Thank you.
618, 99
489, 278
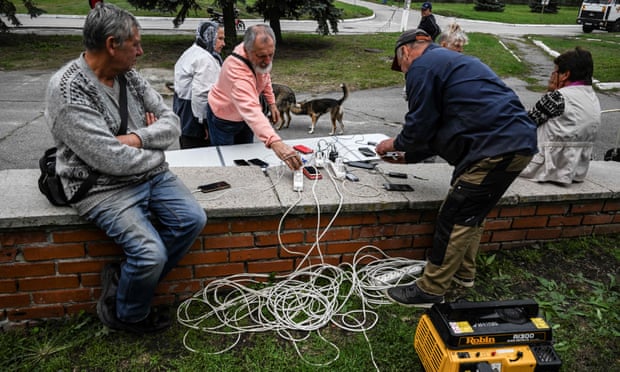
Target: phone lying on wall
312, 173
241, 162
361, 164
260, 163
397, 187
303, 149
215, 186
366, 151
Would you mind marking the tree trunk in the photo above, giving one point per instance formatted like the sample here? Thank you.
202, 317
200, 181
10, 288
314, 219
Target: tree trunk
230, 31
274, 22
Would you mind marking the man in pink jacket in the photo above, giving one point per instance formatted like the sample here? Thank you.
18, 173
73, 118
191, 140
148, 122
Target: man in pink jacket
234, 111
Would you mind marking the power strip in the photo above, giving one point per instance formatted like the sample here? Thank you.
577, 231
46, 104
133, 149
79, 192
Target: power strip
298, 181
392, 277
338, 168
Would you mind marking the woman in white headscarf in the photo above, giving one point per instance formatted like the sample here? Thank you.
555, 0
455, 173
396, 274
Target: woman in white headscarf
194, 73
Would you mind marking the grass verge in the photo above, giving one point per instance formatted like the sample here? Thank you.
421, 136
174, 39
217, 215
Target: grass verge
575, 283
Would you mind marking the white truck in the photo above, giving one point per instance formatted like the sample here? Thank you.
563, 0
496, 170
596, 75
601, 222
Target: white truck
599, 14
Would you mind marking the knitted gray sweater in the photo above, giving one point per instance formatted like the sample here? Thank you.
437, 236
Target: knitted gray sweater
83, 116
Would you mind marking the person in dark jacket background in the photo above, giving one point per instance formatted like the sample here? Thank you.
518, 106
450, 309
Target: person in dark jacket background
460, 110
428, 22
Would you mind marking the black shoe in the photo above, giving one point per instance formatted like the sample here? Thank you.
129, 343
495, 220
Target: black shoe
156, 321
467, 283
412, 295
109, 281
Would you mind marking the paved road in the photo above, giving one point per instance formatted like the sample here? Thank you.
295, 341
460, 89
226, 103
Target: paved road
24, 135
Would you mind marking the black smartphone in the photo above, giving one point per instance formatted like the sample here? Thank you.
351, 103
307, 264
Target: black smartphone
214, 186
260, 163
361, 164
366, 151
312, 173
241, 162
397, 174
397, 187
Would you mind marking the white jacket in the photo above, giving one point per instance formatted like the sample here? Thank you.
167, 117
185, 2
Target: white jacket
195, 72
565, 141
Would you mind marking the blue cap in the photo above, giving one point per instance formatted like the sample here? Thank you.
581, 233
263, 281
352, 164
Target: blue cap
427, 5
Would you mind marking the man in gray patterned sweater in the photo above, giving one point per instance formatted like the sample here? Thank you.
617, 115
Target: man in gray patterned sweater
136, 200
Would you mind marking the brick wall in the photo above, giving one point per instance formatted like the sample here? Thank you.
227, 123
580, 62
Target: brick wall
50, 272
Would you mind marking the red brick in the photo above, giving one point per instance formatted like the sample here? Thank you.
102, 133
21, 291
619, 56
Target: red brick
8, 286
423, 241
330, 235
206, 257
8, 254
88, 307
503, 236
597, 219
179, 273
216, 228
571, 232
400, 217
415, 229
525, 222
429, 216
235, 241
77, 236
270, 266
80, 266
63, 296
262, 240
314, 260
489, 247
342, 247
253, 224
544, 234
9, 239
39, 312
517, 211
607, 229
53, 252
295, 250
218, 270
253, 254
103, 248
90, 280
587, 207
546, 210
50, 282
611, 206
391, 244
616, 218
14, 300
373, 231
498, 224
353, 220
564, 221
23, 270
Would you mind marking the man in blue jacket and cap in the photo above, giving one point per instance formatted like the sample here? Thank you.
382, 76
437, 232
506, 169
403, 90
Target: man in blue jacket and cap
460, 110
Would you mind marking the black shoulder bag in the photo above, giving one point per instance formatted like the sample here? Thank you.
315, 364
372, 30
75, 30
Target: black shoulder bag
49, 181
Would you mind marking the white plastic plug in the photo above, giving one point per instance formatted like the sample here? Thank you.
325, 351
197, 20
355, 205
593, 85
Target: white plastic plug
338, 168
298, 181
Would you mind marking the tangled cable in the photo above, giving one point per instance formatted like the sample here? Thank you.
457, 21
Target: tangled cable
299, 305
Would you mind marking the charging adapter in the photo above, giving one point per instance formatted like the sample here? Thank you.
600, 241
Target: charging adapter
298, 181
319, 159
338, 168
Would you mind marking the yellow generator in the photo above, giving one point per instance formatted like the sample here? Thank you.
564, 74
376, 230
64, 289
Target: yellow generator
494, 336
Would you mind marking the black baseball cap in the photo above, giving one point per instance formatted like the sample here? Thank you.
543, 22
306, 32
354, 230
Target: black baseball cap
409, 36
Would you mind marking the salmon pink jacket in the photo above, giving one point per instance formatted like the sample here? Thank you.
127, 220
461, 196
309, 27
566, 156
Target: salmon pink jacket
234, 97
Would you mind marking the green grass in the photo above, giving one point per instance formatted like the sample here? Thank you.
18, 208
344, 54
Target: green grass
575, 283
81, 8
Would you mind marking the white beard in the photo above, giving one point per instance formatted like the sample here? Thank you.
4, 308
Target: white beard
265, 70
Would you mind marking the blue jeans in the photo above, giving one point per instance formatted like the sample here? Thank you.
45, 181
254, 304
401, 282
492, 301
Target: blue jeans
155, 222
223, 132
